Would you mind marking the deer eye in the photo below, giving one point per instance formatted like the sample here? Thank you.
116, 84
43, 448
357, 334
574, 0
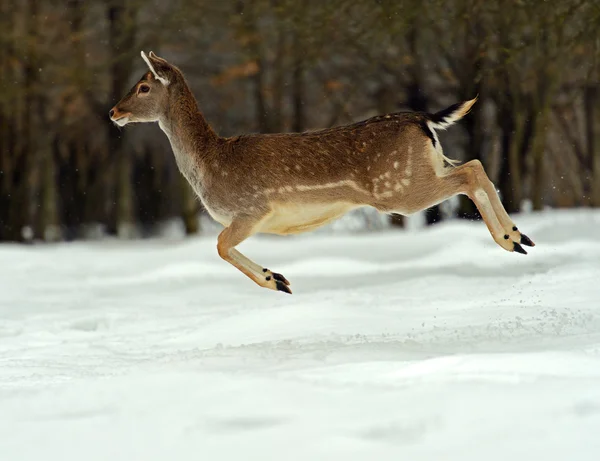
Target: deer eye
144, 89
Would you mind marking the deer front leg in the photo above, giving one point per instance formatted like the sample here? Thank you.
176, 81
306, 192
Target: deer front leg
239, 230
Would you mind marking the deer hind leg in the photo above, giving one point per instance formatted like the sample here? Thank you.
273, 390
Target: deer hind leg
478, 187
469, 179
507, 224
239, 230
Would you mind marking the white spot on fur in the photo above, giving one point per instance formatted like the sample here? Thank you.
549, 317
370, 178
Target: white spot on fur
298, 167
387, 174
408, 172
331, 185
396, 165
406, 182
397, 187
289, 188
387, 184
223, 173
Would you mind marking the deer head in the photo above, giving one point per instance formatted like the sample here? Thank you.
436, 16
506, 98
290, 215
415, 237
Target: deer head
148, 98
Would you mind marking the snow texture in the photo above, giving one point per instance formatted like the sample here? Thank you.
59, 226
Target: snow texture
396, 345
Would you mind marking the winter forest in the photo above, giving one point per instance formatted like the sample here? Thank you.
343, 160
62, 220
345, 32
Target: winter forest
135, 327
67, 173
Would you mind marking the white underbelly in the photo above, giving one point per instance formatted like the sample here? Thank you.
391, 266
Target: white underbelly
302, 217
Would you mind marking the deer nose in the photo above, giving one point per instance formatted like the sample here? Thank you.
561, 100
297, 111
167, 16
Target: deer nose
111, 113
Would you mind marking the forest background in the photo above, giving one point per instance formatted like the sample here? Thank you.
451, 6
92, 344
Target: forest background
66, 172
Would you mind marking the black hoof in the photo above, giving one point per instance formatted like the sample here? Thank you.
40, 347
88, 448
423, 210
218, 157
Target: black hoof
282, 287
280, 277
518, 248
276, 276
526, 241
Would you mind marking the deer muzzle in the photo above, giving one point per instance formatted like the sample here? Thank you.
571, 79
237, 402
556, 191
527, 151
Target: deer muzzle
119, 117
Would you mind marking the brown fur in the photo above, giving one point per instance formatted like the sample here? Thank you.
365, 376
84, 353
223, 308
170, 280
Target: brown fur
296, 182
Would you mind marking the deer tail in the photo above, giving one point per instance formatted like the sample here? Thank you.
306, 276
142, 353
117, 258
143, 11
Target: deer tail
444, 118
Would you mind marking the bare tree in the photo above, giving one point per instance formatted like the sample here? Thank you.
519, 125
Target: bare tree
121, 15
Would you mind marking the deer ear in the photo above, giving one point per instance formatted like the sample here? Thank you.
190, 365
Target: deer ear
159, 67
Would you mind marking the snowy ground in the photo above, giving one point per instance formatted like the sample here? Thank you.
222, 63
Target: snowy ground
431, 344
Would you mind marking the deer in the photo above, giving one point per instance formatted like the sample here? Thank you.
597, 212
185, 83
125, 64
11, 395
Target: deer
289, 183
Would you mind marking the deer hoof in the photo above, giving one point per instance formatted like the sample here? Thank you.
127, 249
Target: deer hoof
282, 287
518, 248
275, 276
281, 283
526, 241
280, 278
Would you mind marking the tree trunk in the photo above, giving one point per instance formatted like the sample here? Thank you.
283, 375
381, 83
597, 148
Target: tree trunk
260, 102
47, 225
48, 222
298, 84
6, 126
49, 217
277, 119
512, 121
471, 82
538, 149
189, 213
474, 126
250, 36
592, 126
417, 99
121, 17
19, 212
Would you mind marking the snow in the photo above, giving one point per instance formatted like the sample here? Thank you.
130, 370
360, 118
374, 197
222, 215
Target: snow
414, 345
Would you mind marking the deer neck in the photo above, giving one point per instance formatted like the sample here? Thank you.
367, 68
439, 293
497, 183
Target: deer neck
191, 137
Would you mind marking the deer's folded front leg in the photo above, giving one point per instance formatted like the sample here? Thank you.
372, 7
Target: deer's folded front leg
239, 230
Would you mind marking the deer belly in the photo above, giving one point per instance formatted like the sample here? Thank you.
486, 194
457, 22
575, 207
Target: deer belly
296, 218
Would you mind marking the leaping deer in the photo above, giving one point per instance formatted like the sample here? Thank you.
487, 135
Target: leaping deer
296, 182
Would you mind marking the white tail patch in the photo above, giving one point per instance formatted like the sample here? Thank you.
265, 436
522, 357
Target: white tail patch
162, 80
438, 149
